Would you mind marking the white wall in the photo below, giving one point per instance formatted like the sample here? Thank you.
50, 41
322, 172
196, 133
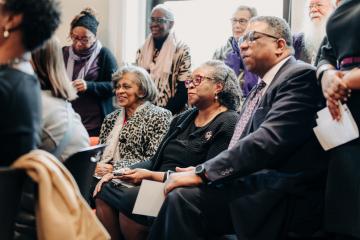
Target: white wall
205, 24
298, 12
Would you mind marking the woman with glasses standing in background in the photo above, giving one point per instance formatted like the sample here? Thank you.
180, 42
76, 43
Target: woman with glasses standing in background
166, 59
230, 52
194, 136
90, 66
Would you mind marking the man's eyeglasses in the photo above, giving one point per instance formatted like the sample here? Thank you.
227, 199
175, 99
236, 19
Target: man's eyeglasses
254, 35
241, 21
153, 20
196, 80
82, 40
315, 5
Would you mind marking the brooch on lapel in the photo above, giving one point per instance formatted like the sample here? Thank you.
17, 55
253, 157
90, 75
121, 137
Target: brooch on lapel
208, 135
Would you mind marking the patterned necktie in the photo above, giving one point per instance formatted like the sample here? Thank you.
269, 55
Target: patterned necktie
245, 116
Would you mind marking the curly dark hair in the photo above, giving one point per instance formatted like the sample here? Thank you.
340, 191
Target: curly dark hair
231, 94
40, 19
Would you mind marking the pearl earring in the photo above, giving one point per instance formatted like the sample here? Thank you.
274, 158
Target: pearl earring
216, 97
6, 33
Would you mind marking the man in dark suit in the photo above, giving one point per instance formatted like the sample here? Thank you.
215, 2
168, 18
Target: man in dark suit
271, 179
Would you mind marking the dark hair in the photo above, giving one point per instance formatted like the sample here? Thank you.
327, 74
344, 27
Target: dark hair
231, 94
40, 20
86, 18
277, 26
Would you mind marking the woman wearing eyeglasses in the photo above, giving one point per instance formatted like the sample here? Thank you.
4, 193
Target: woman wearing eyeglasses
230, 52
90, 66
167, 59
194, 137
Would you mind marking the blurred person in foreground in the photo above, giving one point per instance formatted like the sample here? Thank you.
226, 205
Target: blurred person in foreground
20, 125
338, 71
63, 134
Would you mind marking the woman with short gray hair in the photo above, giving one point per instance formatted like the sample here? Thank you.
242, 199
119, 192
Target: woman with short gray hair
142, 78
132, 132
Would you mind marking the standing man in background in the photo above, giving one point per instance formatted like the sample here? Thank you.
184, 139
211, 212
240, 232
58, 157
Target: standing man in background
308, 42
167, 59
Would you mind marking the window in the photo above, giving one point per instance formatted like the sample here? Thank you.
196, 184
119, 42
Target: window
205, 24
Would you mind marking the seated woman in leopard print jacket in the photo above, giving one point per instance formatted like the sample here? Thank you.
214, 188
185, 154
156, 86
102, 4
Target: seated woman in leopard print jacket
132, 132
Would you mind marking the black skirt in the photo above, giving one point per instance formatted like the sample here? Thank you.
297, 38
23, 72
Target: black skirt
123, 199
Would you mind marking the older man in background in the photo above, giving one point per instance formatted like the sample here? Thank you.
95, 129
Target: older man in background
230, 52
167, 59
308, 42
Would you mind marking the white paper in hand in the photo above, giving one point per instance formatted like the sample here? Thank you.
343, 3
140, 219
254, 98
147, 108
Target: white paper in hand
150, 198
331, 133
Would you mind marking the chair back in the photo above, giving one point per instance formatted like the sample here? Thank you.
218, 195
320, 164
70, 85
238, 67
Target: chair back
11, 184
82, 166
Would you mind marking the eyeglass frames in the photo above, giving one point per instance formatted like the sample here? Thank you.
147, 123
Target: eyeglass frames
254, 35
196, 80
315, 5
241, 21
82, 40
154, 20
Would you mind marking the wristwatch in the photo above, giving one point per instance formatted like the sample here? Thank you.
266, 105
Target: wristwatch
201, 172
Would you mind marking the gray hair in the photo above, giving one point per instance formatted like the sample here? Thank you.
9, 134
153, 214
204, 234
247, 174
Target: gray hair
231, 94
332, 2
277, 26
166, 10
143, 80
251, 10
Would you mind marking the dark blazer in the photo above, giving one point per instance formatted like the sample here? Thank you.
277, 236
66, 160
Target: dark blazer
278, 156
20, 124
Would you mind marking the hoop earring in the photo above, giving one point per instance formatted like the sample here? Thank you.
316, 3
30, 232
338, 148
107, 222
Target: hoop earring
6, 33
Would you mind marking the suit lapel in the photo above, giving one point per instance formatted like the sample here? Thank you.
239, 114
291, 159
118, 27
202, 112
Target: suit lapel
249, 127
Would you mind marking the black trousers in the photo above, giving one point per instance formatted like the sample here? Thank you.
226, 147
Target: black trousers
196, 213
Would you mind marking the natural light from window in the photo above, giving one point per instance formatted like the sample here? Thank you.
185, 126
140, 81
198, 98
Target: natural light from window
205, 24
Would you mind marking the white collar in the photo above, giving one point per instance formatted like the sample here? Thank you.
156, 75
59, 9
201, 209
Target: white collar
269, 75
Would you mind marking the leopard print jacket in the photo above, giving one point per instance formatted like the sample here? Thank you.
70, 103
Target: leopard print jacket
140, 136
